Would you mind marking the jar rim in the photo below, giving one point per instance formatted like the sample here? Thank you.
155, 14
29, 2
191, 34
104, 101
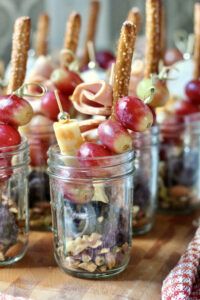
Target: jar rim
154, 130
12, 150
55, 151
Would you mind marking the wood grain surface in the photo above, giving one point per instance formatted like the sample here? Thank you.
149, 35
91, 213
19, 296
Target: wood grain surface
37, 276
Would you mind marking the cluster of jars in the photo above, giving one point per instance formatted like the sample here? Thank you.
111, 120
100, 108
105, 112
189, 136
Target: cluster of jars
93, 239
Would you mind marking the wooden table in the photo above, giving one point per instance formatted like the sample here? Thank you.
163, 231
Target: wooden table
153, 256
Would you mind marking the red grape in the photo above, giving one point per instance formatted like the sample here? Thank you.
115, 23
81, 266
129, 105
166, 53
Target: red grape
184, 108
114, 136
9, 136
50, 107
134, 114
65, 80
192, 90
104, 58
89, 151
15, 110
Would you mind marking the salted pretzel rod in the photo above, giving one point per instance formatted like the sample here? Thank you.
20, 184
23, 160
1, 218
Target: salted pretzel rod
20, 47
91, 29
134, 16
41, 44
153, 24
162, 31
71, 37
122, 69
196, 74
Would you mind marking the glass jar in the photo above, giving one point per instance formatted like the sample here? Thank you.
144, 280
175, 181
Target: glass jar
13, 203
145, 180
179, 170
91, 211
40, 137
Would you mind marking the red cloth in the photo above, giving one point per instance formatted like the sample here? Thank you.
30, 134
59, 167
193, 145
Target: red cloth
183, 282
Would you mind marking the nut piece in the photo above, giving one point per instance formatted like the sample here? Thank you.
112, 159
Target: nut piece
110, 260
14, 250
2, 257
99, 260
179, 191
103, 269
86, 258
90, 266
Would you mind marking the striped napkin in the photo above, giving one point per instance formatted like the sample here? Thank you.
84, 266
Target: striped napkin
183, 282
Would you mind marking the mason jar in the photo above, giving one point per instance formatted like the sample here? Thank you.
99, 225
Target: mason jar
179, 170
40, 136
13, 203
145, 180
91, 211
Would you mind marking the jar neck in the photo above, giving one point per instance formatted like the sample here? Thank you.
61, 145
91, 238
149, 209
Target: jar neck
71, 168
14, 155
146, 139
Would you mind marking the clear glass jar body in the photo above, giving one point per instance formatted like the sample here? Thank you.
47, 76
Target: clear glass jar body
91, 211
179, 169
40, 138
145, 180
13, 203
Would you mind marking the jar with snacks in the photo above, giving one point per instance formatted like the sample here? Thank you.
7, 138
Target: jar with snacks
179, 165
91, 172
40, 135
13, 200
91, 210
14, 154
145, 180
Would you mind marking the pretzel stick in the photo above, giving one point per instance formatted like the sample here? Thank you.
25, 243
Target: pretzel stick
196, 74
162, 31
41, 35
122, 70
153, 25
134, 16
72, 36
20, 47
91, 29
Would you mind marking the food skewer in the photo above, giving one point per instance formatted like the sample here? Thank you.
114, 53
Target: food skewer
41, 44
71, 40
123, 62
134, 16
91, 29
20, 47
153, 24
